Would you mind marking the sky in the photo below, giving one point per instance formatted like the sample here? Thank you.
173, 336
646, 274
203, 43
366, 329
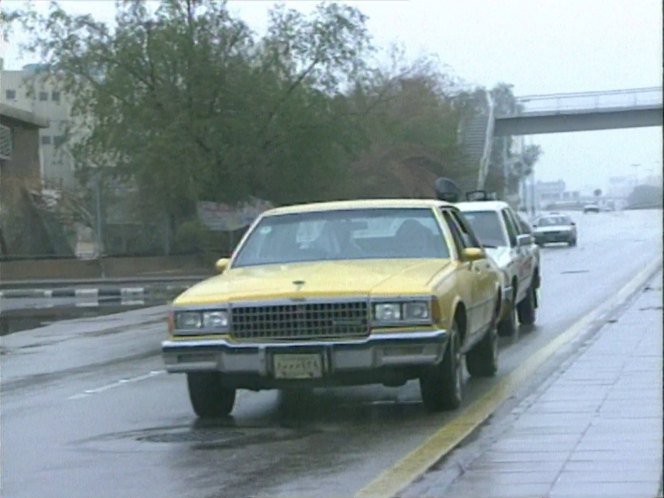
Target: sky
538, 46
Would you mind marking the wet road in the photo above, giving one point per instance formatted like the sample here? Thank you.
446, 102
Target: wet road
88, 411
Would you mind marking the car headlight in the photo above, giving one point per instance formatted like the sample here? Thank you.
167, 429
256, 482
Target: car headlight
387, 312
201, 321
402, 313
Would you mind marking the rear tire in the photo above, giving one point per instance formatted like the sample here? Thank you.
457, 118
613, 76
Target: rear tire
209, 398
526, 309
442, 386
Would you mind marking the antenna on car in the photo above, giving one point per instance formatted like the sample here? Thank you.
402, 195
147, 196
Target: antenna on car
447, 190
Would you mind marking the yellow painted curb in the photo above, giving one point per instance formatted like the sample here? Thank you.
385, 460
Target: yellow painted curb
418, 461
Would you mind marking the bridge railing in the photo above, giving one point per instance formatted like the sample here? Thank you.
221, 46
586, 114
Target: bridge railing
589, 101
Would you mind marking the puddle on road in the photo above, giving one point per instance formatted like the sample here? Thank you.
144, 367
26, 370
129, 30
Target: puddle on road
208, 435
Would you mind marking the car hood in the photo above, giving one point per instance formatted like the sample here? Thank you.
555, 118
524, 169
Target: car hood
554, 228
319, 279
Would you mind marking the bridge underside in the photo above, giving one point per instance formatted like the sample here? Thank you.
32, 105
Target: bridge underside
534, 124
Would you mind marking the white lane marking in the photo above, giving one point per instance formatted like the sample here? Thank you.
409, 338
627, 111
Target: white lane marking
113, 385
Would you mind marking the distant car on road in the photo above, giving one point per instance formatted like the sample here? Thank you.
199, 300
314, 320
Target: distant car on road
353, 292
591, 208
508, 240
552, 228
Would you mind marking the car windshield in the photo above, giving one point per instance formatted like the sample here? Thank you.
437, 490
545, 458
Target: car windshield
343, 234
550, 221
487, 227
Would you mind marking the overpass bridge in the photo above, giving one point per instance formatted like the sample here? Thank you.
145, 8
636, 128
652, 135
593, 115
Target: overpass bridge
565, 112
555, 113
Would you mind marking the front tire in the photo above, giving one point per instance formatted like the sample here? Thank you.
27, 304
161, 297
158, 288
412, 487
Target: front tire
526, 309
482, 360
209, 398
442, 386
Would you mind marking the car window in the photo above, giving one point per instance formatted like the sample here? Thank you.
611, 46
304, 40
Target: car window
511, 229
343, 234
456, 231
469, 237
487, 227
549, 221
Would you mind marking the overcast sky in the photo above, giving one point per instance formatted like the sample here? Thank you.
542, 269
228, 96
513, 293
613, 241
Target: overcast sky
539, 46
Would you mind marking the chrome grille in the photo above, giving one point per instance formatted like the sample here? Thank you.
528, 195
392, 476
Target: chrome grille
300, 321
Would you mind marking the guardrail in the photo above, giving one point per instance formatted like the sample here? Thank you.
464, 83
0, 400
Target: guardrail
589, 101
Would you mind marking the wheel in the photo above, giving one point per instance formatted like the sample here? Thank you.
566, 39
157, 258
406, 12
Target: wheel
442, 386
572, 242
526, 308
482, 360
209, 398
508, 326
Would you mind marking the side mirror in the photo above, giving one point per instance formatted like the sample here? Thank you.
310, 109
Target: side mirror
473, 253
221, 264
535, 225
573, 224
524, 240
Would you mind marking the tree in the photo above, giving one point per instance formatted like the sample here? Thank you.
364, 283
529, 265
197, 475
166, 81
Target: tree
188, 106
409, 124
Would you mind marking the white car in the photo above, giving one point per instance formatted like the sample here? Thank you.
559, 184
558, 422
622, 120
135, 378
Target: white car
554, 227
509, 242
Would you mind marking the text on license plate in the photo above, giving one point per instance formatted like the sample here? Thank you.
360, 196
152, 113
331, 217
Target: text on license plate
298, 366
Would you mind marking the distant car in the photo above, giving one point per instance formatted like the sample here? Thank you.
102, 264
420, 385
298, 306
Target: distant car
508, 240
553, 228
353, 292
591, 208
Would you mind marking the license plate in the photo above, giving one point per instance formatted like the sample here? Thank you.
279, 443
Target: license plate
298, 366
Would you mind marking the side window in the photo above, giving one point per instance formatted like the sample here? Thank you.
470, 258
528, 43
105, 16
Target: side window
520, 224
469, 238
456, 231
511, 229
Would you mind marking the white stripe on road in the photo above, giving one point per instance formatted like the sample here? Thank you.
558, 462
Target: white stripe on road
121, 382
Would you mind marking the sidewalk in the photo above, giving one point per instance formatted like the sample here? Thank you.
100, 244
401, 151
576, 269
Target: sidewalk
593, 431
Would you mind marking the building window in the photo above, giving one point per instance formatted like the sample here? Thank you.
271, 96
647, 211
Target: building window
55, 96
58, 140
10, 94
46, 140
43, 95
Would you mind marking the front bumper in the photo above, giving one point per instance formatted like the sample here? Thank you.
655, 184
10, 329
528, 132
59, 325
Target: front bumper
416, 348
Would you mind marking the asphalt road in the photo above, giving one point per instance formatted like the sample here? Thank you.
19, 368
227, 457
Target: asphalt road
88, 411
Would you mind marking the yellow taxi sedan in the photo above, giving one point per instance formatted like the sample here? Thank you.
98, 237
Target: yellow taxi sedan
341, 293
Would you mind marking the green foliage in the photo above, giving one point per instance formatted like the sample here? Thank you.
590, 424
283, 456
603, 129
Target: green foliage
186, 104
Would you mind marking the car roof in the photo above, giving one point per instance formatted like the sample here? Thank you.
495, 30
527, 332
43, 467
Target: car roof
358, 204
482, 206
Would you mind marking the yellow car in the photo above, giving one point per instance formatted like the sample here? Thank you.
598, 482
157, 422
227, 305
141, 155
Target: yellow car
341, 293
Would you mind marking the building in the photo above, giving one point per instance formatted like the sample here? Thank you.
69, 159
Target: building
29, 90
22, 231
